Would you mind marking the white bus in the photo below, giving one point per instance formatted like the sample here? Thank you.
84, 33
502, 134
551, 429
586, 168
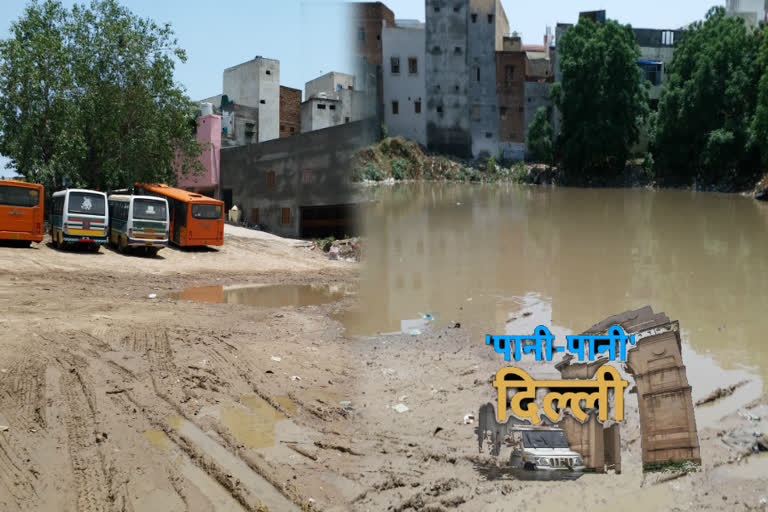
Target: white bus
138, 222
79, 217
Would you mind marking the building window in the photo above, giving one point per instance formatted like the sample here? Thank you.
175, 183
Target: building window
306, 177
436, 50
476, 112
477, 73
332, 107
490, 18
503, 112
413, 65
321, 106
509, 73
395, 107
360, 33
346, 119
254, 215
457, 8
437, 9
439, 109
395, 65
417, 107
263, 102
474, 18
286, 216
488, 135
269, 72
282, 127
668, 38
292, 129
271, 179
457, 50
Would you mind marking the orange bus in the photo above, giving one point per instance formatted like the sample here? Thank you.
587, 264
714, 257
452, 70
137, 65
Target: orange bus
195, 219
21, 211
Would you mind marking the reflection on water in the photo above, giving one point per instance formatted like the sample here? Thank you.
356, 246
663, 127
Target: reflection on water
470, 251
266, 296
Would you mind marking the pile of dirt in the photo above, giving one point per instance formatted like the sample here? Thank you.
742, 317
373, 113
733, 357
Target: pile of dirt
401, 159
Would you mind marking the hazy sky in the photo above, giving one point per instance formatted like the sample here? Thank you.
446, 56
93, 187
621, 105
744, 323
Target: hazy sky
309, 36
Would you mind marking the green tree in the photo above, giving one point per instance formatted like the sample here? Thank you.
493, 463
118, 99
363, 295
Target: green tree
602, 99
540, 137
759, 131
87, 95
702, 130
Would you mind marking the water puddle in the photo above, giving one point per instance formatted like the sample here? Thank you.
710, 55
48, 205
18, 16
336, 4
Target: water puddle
159, 439
266, 296
233, 465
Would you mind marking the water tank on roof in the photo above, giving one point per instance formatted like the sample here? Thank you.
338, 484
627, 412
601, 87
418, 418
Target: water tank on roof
206, 109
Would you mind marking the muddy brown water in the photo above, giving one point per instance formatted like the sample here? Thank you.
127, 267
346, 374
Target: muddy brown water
486, 255
265, 296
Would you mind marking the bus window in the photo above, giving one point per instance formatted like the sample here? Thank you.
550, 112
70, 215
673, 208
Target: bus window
146, 209
86, 204
206, 211
19, 196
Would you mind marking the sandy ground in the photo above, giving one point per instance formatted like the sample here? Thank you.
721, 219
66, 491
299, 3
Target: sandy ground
114, 401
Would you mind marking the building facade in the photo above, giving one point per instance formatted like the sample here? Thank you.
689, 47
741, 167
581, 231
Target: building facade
404, 81
753, 12
209, 137
510, 84
256, 84
333, 99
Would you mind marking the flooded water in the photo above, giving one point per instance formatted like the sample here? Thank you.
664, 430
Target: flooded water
484, 255
266, 296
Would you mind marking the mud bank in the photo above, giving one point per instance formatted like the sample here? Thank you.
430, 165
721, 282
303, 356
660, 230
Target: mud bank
116, 401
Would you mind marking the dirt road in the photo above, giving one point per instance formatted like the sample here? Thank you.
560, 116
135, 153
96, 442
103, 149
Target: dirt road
115, 401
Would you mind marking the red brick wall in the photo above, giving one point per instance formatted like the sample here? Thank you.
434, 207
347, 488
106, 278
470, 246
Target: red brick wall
290, 111
511, 96
369, 16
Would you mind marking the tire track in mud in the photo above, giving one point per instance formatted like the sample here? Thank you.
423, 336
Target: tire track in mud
22, 391
14, 478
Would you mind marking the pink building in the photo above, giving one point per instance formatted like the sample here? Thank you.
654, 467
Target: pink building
209, 137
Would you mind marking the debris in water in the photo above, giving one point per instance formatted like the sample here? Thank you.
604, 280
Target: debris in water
720, 393
400, 408
295, 377
275, 358
527, 313
345, 402
457, 325
469, 419
152, 295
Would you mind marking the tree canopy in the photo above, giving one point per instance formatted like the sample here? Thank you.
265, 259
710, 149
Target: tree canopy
540, 137
602, 100
701, 134
87, 97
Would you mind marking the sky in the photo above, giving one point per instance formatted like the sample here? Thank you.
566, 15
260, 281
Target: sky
309, 37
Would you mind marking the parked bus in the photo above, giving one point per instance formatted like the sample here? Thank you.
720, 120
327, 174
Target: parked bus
196, 220
138, 222
21, 211
79, 217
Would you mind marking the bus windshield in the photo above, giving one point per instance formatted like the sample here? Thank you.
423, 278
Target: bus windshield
206, 211
545, 439
18, 196
149, 209
86, 203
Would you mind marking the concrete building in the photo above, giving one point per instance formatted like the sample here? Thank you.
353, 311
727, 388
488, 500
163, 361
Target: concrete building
256, 84
404, 73
297, 186
368, 21
239, 125
333, 99
461, 40
753, 12
290, 111
209, 137
511, 65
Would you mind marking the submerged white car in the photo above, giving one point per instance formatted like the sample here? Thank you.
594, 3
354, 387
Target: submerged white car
543, 449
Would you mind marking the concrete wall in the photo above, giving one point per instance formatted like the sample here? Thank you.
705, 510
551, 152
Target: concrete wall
368, 18
209, 137
405, 88
318, 113
242, 125
483, 100
751, 11
325, 153
329, 84
448, 128
290, 111
256, 83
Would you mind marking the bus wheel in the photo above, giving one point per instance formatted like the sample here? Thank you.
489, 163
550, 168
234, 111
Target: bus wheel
122, 245
152, 251
94, 248
25, 243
